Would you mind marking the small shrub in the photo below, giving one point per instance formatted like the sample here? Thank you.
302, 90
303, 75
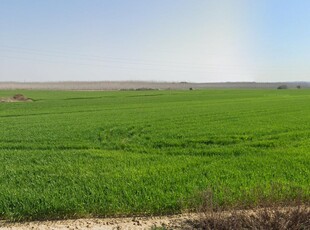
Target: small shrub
282, 87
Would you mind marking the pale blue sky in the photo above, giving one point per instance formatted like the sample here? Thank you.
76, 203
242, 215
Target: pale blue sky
159, 40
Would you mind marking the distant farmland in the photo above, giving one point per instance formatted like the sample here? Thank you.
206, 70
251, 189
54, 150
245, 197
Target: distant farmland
70, 154
141, 85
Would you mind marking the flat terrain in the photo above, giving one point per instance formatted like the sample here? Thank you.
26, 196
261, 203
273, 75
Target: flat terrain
141, 85
84, 154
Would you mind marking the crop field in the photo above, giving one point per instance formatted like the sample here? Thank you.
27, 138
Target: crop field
71, 154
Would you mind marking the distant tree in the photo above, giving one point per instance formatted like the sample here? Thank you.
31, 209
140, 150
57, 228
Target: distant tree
191, 88
282, 87
298, 87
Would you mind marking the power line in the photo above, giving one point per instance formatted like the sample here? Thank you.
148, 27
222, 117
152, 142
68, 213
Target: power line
109, 61
95, 57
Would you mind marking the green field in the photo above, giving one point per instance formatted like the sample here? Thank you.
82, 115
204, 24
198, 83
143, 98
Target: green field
80, 154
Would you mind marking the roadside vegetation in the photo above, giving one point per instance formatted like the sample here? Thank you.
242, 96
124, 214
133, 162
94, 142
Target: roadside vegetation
275, 218
82, 154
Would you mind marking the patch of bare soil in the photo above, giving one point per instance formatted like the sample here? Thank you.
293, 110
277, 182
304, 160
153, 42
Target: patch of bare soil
171, 222
267, 218
16, 98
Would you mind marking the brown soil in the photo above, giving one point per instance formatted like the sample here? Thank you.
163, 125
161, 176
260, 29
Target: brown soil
171, 222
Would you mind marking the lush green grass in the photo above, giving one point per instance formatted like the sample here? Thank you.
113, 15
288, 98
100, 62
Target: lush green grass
77, 154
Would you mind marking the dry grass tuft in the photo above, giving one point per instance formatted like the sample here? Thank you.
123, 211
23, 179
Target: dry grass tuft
277, 218
293, 215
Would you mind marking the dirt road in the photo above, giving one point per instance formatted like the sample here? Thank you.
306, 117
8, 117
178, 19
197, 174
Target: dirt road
169, 222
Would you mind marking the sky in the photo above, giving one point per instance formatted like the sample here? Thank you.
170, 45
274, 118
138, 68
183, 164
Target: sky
148, 40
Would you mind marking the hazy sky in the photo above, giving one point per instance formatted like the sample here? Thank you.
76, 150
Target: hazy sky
160, 40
